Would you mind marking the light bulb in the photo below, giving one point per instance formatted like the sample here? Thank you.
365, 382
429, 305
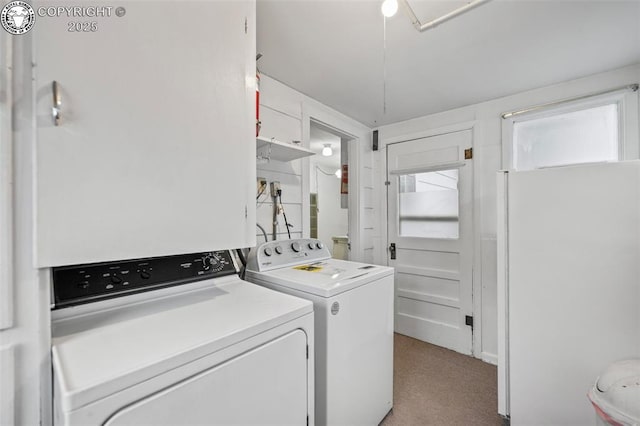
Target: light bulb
389, 8
327, 151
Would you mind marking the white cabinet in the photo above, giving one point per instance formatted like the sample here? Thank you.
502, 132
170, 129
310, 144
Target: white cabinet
279, 125
154, 153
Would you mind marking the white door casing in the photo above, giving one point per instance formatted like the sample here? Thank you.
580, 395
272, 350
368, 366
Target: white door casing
433, 268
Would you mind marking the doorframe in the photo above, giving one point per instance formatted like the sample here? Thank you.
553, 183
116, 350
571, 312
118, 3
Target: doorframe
26, 345
477, 132
342, 128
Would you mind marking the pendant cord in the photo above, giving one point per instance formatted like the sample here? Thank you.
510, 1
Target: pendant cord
384, 65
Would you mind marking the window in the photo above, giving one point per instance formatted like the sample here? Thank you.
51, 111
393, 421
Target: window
584, 136
589, 129
429, 206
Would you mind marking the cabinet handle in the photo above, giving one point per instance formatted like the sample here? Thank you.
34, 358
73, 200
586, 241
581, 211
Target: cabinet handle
57, 103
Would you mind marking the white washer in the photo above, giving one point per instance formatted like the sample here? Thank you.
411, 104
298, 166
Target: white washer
353, 304
216, 351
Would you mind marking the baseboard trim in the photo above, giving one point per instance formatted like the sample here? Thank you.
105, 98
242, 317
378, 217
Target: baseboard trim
489, 358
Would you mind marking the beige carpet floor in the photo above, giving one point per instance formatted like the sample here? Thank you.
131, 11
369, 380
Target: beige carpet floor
436, 386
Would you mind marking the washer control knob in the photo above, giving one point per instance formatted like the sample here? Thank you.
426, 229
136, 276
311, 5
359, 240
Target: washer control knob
116, 279
278, 250
207, 262
212, 262
83, 284
311, 246
319, 245
145, 275
268, 251
296, 246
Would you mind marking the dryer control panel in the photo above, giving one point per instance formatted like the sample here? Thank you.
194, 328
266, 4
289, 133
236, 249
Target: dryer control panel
78, 284
284, 253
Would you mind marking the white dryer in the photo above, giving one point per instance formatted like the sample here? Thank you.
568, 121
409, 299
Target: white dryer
353, 304
216, 351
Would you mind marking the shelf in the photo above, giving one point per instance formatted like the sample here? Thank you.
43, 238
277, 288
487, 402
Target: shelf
273, 149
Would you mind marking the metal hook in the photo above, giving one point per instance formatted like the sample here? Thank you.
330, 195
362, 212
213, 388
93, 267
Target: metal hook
57, 104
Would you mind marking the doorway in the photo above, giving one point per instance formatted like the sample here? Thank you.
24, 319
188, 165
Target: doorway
329, 205
430, 216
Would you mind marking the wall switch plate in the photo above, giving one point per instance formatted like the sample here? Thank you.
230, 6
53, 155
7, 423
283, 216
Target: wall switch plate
275, 187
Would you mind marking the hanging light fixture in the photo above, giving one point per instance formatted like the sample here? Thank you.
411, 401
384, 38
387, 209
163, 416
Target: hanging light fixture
389, 8
327, 151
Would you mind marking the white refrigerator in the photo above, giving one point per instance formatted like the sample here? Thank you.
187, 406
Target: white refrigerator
568, 286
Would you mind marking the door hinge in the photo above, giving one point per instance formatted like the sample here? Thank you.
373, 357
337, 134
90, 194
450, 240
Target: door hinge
387, 183
307, 351
246, 25
468, 320
246, 212
307, 420
392, 251
468, 154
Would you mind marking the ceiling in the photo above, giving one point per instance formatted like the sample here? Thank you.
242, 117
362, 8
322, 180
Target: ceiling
333, 51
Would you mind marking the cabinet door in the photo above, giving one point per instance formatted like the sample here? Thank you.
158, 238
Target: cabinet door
154, 153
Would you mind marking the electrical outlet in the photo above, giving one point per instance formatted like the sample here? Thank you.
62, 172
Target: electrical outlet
275, 187
262, 185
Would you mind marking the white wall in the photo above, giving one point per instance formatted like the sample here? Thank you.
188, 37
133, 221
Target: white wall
281, 117
487, 146
286, 115
332, 219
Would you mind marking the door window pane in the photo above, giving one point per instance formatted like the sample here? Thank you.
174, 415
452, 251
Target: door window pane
429, 204
585, 136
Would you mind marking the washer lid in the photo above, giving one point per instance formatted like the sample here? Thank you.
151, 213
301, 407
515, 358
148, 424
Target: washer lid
324, 278
100, 354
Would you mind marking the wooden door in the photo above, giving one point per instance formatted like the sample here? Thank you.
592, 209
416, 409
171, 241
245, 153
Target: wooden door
430, 232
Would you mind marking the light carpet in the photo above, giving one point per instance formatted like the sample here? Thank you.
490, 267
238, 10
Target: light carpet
436, 386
